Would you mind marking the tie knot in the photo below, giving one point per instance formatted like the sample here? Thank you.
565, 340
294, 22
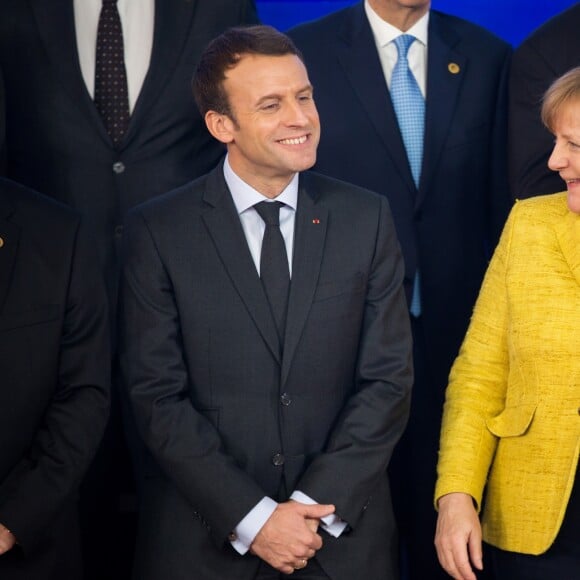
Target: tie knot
403, 43
269, 211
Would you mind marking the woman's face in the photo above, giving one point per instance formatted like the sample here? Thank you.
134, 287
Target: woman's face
565, 158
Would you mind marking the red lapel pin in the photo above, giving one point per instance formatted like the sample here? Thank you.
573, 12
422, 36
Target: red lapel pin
315, 221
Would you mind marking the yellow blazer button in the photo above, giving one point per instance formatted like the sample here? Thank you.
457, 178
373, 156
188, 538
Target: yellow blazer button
1, 242
453, 68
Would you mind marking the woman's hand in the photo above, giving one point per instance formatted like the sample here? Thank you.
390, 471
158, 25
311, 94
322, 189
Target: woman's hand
458, 536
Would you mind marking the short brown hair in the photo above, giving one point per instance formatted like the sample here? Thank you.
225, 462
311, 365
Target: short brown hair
562, 91
224, 52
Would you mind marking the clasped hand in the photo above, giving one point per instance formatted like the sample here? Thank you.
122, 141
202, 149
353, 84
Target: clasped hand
7, 539
290, 535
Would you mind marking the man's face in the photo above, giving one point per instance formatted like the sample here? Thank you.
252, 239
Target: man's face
400, 13
275, 128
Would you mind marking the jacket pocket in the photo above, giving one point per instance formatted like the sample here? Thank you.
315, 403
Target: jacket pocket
339, 287
512, 421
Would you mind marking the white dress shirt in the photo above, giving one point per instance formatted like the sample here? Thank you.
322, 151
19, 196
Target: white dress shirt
137, 20
385, 33
245, 197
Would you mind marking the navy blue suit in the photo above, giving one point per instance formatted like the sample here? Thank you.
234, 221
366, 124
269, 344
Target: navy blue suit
447, 226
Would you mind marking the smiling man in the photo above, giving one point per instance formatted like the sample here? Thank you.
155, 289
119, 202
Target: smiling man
266, 344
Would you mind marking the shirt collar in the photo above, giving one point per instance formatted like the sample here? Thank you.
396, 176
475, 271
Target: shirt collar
245, 196
385, 33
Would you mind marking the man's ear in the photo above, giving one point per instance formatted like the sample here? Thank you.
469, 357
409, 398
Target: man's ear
220, 126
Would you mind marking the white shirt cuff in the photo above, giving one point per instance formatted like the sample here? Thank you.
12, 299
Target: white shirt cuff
251, 524
331, 524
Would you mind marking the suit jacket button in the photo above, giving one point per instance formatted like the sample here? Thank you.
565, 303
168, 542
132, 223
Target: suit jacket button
278, 459
232, 537
118, 167
285, 399
118, 231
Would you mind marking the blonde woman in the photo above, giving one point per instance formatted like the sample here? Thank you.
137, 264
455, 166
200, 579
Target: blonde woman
511, 426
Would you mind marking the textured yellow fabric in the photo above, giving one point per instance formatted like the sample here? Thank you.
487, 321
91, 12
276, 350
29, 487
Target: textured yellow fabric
512, 410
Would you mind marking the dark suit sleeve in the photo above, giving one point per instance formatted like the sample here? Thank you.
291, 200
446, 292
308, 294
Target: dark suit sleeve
530, 143
374, 418
184, 442
35, 491
499, 193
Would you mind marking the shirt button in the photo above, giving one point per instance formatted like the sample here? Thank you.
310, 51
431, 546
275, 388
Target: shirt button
118, 167
285, 399
278, 459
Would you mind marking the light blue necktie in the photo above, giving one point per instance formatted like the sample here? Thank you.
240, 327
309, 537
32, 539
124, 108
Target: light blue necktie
409, 106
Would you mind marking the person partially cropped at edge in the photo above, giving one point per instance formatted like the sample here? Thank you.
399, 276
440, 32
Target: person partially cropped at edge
511, 427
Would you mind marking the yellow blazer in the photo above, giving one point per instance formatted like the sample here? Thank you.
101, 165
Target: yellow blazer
511, 422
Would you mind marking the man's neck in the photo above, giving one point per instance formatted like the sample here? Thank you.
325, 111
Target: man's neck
401, 17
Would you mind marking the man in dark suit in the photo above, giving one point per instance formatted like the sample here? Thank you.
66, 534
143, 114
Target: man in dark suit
448, 206
56, 140
58, 144
545, 55
54, 382
268, 365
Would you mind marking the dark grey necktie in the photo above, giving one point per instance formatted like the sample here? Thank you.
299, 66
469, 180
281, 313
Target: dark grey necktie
274, 271
111, 94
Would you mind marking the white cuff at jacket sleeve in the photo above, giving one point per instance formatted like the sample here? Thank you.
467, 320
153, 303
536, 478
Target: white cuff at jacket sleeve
245, 532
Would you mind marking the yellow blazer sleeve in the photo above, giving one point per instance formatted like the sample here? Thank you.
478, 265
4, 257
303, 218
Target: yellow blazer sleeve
478, 383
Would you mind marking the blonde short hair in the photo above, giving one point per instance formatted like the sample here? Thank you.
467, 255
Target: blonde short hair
563, 91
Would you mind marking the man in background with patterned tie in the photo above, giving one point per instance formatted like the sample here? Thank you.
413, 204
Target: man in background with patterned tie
266, 344
413, 105
99, 116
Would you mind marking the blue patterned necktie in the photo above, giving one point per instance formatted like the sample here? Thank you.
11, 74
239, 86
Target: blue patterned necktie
409, 106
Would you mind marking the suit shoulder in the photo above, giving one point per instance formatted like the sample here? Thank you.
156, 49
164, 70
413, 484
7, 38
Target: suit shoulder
36, 209
328, 24
331, 190
563, 24
175, 201
471, 33
542, 208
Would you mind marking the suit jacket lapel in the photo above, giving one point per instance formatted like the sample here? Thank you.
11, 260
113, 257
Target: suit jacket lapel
443, 88
309, 235
357, 45
173, 20
225, 229
568, 232
10, 235
55, 22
